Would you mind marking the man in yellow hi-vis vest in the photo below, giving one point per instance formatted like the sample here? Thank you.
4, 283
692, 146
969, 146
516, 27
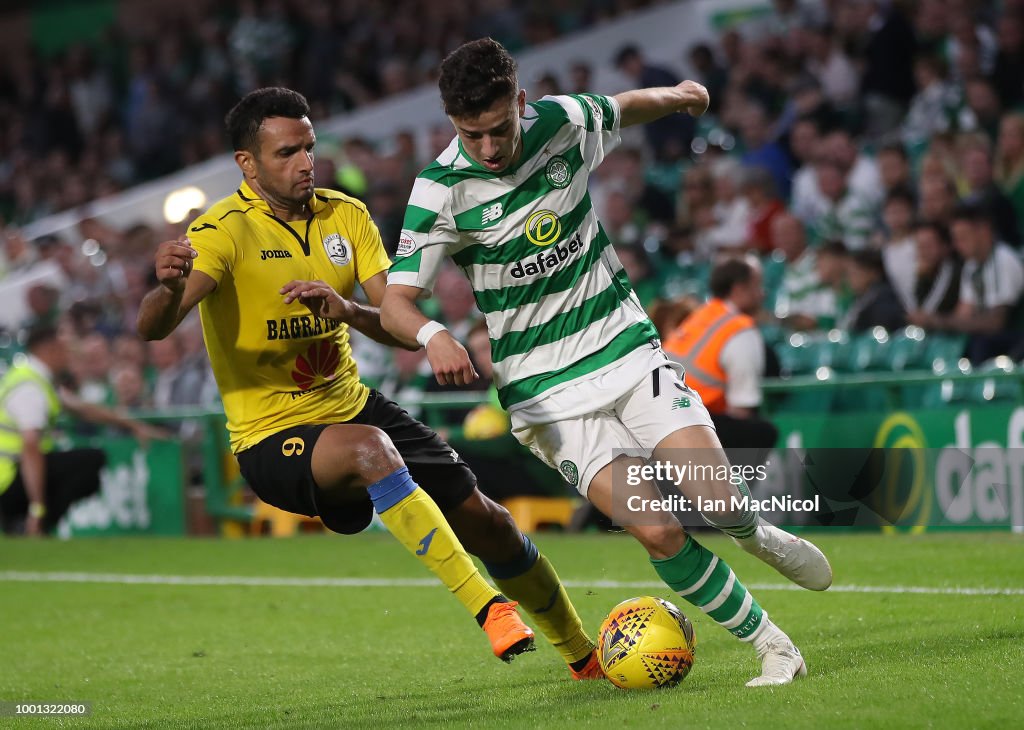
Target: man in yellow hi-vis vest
37, 483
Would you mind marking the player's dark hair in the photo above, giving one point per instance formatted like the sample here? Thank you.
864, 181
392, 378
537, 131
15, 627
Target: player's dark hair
728, 274
474, 76
244, 120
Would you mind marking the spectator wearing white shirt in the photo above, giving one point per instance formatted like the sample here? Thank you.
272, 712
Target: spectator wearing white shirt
936, 282
934, 105
899, 250
860, 176
832, 67
730, 213
861, 171
849, 216
991, 285
801, 296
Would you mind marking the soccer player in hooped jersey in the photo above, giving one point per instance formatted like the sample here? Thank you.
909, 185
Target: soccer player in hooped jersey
272, 268
576, 360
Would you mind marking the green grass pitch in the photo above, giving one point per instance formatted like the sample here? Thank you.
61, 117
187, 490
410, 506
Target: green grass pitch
279, 656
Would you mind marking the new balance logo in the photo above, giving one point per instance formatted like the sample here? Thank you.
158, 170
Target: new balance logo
491, 213
680, 403
425, 542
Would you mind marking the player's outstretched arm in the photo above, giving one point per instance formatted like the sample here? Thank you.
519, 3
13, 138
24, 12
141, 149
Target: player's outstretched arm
402, 318
640, 106
179, 290
323, 301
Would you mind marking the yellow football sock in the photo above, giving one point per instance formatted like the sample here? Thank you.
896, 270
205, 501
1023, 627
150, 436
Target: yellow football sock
416, 522
533, 582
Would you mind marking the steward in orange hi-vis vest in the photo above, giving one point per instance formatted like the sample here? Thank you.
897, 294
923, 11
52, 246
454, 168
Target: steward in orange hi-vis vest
698, 342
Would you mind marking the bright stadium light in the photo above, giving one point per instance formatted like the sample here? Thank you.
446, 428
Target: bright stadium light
179, 202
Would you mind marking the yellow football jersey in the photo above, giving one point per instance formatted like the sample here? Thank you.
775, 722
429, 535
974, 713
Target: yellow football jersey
276, 364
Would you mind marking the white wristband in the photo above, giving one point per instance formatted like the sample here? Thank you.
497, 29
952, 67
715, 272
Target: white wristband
428, 330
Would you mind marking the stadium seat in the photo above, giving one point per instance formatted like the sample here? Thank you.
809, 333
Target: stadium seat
1000, 389
945, 347
836, 350
907, 350
869, 351
948, 387
530, 513
802, 354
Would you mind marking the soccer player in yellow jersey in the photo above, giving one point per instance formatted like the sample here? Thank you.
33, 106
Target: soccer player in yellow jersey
273, 268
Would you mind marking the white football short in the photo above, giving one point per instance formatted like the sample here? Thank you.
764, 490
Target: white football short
580, 447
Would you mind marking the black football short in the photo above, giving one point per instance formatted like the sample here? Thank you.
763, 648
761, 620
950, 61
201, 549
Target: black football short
279, 468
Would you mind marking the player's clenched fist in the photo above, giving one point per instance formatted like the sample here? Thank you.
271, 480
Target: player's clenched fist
697, 98
174, 263
449, 360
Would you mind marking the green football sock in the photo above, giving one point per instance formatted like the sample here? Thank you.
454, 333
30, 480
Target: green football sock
699, 576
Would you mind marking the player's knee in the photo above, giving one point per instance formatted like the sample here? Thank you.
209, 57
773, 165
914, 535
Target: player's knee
661, 541
503, 527
374, 455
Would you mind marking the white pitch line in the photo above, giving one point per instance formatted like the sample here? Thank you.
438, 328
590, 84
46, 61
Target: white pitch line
17, 576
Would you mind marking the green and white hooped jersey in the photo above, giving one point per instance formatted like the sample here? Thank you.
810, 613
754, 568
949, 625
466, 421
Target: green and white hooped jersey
560, 310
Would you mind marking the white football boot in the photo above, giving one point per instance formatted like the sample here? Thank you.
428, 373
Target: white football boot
794, 557
781, 661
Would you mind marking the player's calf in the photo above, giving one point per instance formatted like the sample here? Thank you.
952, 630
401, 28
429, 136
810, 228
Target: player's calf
486, 529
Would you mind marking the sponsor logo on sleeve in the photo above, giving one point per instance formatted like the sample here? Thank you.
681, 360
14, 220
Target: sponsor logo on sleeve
405, 245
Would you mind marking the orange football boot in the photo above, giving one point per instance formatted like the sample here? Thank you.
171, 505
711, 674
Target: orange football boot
508, 634
591, 670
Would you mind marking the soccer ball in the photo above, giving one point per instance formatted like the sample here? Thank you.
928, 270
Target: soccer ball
646, 643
